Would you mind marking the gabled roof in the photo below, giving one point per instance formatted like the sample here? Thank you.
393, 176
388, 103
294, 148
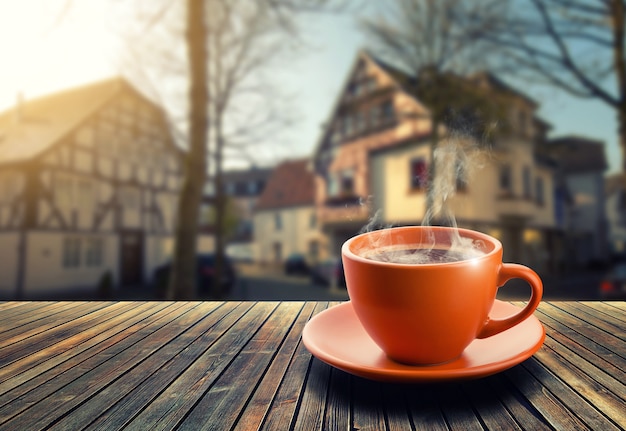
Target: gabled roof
577, 154
33, 126
291, 184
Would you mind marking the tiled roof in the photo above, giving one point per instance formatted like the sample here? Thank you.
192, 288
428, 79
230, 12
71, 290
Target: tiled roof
576, 154
291, 184
29, 129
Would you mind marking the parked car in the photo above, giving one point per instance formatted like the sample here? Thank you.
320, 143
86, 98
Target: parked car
328, 271
296, 263
205, 273
613, 284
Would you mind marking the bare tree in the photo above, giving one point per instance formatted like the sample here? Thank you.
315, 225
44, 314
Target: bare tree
578, 46
435, 49
241, 42
182, 279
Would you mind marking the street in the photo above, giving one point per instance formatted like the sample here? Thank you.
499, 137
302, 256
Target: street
262, 284
274, 285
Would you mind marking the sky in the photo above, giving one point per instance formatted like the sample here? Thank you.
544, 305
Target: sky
40, 54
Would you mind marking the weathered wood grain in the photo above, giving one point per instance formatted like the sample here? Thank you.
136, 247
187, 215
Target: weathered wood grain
232, 366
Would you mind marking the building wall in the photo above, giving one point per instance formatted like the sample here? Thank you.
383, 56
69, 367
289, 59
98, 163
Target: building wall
478, 203
9, 243
587, 216
616, 224
298, 228
46, 270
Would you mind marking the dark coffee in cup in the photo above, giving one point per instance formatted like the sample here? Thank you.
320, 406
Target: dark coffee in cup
422, 256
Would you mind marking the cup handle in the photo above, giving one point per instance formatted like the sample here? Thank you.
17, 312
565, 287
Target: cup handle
507, 272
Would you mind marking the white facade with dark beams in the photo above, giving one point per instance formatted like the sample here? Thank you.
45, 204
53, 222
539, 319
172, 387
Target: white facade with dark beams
89, 181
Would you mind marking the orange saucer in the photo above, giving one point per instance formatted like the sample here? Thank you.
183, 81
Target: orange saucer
336, 337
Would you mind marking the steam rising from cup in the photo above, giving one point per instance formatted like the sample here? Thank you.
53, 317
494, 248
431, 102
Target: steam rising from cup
455, 159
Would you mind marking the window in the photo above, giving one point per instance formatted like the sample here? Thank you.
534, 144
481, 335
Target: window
419, 173
71, 252
94, 252
527, 182
333, 186
72, 191
387, 111
347, 182
353, 90
278, 221
360, 123
370, 85
374, 115
253, 188
505, 178
348, 125
461, 177
539, 192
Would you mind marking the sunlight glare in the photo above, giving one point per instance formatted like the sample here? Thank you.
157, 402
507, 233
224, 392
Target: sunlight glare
42, 53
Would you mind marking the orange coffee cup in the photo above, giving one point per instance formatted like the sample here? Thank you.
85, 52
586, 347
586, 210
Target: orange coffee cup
428, 313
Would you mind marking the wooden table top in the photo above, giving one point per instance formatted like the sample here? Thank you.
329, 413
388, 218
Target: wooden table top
242, 365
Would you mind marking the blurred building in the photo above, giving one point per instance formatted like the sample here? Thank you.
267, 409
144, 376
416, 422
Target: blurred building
285, 220
373, 158
582, 163
615, 190
242, 187
89, 181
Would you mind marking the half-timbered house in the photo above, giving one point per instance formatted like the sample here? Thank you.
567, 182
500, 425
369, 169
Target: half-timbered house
89, 180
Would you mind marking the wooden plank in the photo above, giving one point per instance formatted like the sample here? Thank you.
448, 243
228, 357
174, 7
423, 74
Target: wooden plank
524, 413
338, 415
286, 402
593, 352
489, 406
58, 352
576, 404
426, 414
620, 305
8, 305
576, 357
598, 338
43, 319
552, 409
40, 407
169, 409
368, 413
18, 311
603, 398
457, 408
127, 396
603, 321
69, 324
313, 400
221, 406
396, 407
257, 409
91, 357
606, 308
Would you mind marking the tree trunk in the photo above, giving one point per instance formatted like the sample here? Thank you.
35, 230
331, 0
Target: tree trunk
182, 283
220, 209
618, 10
